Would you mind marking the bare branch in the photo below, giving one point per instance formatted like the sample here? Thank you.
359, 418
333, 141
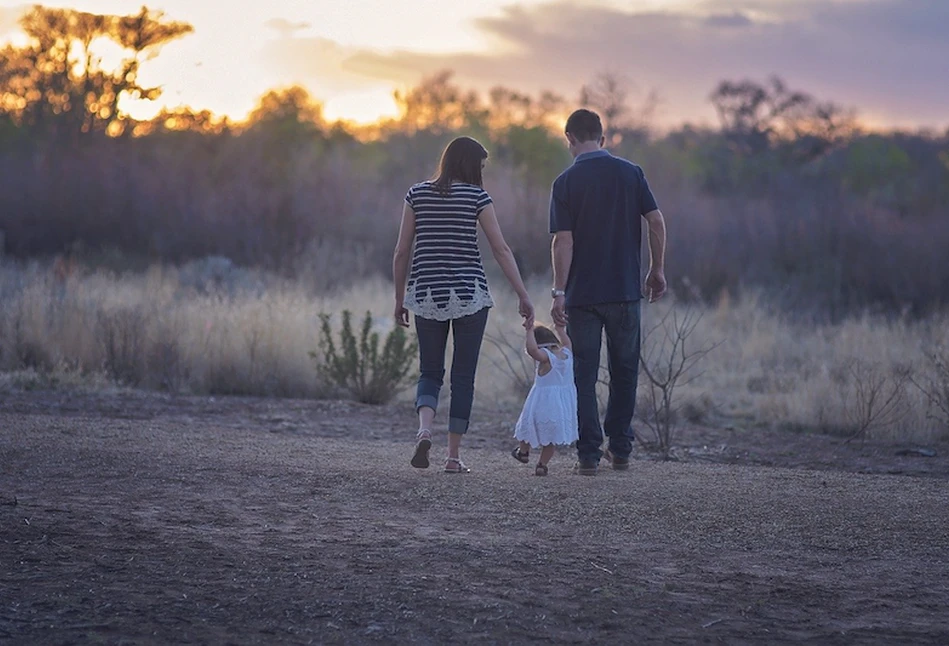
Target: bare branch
878, 397
515, 367
667, 365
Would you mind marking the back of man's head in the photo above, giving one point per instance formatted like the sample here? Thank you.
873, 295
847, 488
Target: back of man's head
584, 125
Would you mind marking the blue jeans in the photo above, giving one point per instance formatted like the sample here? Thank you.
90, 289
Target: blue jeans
585, 327
467, 333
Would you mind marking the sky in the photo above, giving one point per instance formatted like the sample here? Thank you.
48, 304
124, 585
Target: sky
888, 59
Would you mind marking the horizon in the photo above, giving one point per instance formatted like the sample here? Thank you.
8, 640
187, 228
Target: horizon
353, 58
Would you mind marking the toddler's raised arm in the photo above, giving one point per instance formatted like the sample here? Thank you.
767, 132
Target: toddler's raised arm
563, 336
530, 343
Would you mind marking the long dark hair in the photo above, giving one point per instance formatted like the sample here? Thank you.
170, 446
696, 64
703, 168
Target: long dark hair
461, 162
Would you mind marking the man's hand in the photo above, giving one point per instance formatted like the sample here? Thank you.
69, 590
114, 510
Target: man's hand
655, 285
401, 315
558, 311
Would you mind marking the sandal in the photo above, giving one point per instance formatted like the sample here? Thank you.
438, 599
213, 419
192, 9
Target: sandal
540, 469
523, 458
459, 466
422, 446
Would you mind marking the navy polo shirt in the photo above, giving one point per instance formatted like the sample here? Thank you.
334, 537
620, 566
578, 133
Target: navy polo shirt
601, 199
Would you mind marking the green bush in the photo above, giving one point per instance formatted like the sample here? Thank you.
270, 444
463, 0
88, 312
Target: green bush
356, 366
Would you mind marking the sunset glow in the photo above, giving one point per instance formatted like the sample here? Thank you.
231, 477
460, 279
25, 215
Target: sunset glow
352, 56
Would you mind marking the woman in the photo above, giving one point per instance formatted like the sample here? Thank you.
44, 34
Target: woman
447, 287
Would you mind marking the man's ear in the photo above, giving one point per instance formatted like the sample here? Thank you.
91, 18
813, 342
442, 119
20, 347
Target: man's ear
571, 139
602, 140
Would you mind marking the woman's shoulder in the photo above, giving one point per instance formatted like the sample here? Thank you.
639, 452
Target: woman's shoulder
421, 186
473, 192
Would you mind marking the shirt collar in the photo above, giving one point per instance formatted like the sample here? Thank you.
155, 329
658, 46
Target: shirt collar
591, 155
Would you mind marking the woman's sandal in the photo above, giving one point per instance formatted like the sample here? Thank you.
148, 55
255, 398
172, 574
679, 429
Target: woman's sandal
422, 446
459, 466
540, 469
523, 458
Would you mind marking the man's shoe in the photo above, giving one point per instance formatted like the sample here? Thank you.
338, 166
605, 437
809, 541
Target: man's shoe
585, 468
618, 463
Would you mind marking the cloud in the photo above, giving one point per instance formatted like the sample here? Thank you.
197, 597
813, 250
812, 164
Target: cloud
285, 28
887, 58
319, 63
734, 19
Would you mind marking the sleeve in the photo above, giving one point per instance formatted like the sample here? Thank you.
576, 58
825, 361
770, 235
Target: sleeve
483, 200
647, 202
560, 218
410, 197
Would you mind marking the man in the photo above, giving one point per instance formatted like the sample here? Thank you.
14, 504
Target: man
596, 209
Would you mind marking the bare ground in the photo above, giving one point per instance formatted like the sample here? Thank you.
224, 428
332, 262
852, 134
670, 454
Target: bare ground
133, 518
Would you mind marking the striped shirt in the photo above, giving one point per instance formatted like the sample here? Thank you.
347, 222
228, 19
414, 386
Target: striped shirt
447, 280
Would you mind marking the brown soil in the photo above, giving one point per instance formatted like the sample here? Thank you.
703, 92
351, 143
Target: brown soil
134, 518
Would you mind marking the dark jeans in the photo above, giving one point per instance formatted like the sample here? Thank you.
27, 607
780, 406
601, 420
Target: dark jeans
467, 333
585, 327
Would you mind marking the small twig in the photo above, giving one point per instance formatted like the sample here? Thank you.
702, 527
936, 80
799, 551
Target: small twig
712, 623
600, 567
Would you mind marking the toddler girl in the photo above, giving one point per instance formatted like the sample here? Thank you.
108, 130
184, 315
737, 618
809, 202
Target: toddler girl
549, 417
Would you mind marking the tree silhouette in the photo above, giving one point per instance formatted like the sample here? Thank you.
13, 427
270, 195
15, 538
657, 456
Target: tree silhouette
439, 106
755, 116
56, 84
289, 105
608, 94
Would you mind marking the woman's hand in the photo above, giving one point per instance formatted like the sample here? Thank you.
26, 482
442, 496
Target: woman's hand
401, 315
526, 309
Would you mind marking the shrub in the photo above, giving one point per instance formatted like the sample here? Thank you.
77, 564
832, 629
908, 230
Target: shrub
357, 367
669, 362
879, 397
122, 333
936, 387
512, 361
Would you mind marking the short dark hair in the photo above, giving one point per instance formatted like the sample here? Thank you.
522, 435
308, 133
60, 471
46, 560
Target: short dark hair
585, 125
461, 162
544, 335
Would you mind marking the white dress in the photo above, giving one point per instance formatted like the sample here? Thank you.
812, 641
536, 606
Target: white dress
550, 412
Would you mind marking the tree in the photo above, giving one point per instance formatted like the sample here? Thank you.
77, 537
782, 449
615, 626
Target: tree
439, 106
183, 119
56, 84
291, 106
757, 116
608, 95
509, 108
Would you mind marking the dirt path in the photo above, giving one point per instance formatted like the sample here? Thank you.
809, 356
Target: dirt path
143, 521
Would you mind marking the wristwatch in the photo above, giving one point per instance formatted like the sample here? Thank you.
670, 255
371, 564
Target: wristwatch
555, 293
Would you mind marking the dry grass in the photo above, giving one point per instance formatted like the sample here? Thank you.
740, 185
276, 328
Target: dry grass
165, 329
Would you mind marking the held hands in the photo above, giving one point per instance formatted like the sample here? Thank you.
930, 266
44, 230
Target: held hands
655, 284
558, 312
526, 309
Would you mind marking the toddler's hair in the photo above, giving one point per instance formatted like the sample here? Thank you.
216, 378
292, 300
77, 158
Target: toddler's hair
544, 335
